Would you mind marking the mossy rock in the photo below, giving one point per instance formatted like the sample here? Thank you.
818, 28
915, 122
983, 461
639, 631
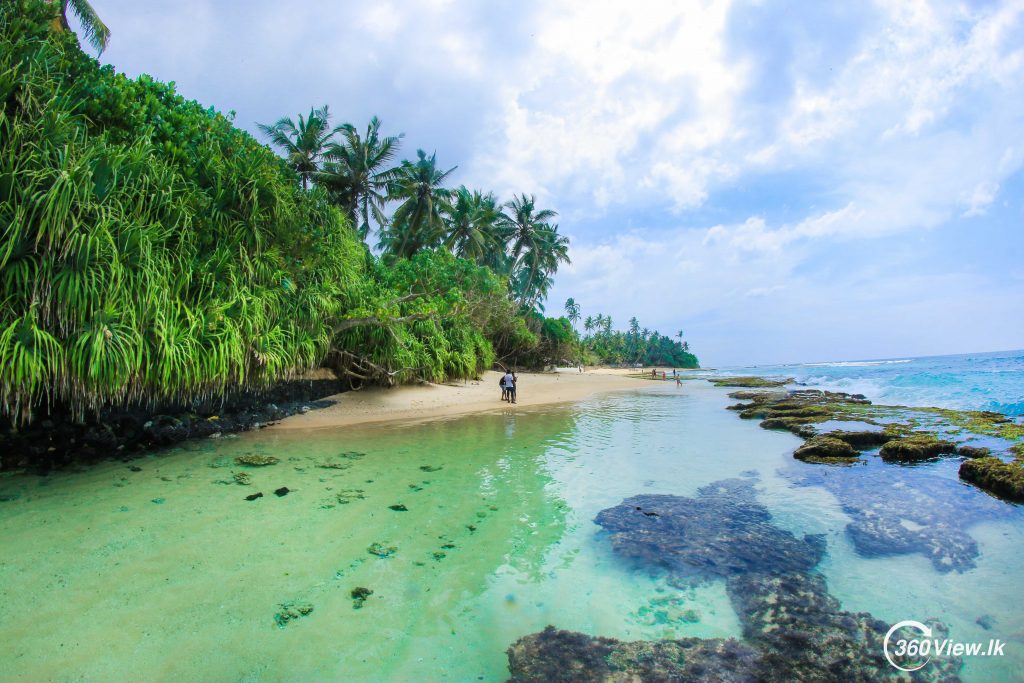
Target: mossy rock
797, 425
750, 382
916, 447
825, 448
1003, 479
758, 396
862, 440
973, 452
256, 460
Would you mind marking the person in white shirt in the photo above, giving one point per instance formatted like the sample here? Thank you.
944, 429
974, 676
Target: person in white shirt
509, 385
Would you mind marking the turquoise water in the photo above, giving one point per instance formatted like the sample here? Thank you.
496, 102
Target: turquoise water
976, 381
168, 573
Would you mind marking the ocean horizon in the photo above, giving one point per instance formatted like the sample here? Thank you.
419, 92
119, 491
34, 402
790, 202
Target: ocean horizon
968, 381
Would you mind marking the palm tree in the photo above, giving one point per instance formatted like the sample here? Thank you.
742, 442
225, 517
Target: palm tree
304, 145
588, 323
526, 221
356, 173
680, 334
475, 227
94, 30
572, 310
547, 249
418, 221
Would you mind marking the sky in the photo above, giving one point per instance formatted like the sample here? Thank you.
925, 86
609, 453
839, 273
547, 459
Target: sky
783, 181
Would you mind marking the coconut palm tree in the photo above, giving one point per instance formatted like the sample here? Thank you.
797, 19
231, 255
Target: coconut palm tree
526, 221
588, 323
572, 310
475, 229
418, 222
304, 144
94, 31
357, 172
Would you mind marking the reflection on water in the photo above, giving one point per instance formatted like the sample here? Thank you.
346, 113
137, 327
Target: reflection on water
470, 533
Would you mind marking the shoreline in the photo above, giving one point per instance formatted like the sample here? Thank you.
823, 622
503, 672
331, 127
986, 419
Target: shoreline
413, 403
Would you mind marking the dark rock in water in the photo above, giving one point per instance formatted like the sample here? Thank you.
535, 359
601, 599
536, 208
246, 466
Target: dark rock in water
825, 448
135, 468
431, 468
290, 611
254, 496
986, 622
381, 550
252, 460
862, 440
897, 511
398, 508
973, 451
750, 382
359, 596
554, 656
1003, 479
916, 447
159, 501
805, 636
281, 492
723, 531
794, 629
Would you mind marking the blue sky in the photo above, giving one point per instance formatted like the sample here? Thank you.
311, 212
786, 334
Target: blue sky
784, 181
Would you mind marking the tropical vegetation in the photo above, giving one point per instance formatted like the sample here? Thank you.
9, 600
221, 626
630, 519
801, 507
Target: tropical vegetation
153, 253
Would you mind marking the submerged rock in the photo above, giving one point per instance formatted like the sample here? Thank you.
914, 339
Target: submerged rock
398, 508
1003, 479
793, 628
290, 611
381, 550
242, 478
359, 596
282, 492
723, 531
553, 656
254, 496
803, 634
899, 511
253, 460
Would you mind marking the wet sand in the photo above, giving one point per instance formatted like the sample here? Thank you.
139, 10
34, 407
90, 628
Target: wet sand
431, 401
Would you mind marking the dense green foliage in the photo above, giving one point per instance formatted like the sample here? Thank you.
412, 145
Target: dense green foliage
153, 252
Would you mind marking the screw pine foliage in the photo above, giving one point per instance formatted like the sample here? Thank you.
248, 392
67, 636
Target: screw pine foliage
153, 253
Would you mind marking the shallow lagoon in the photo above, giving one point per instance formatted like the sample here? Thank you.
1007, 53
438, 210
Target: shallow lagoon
162, 573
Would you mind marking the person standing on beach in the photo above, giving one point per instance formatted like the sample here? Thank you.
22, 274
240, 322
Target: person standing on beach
509, 383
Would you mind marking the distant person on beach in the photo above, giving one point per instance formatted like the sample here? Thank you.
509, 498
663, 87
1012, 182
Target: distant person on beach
504, 391
679, 381
509, 383
654, 374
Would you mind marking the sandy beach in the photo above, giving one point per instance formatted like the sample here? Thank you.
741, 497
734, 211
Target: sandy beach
429, 401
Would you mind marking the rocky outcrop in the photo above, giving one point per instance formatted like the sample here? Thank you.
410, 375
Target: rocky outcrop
55, 439
1004, 479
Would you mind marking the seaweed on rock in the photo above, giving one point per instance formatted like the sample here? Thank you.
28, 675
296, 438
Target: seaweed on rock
1004, 479
556, 656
